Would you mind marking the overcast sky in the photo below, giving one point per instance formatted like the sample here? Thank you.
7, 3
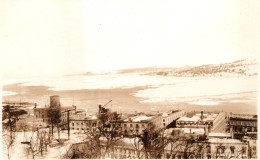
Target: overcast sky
48, 37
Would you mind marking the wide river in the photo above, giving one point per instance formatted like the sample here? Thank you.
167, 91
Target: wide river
139, 93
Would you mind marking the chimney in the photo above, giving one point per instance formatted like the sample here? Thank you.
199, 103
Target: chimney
201, 117
99, 108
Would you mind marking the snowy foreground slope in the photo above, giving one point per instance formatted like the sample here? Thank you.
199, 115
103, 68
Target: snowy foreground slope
55, 151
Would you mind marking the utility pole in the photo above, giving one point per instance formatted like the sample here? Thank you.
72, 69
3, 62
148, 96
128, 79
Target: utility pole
68, 121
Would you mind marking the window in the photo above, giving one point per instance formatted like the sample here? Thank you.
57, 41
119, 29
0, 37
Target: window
125, 125
163, 120
72, 124
131, 125
208, 149
243, 150
220, 149
232, 149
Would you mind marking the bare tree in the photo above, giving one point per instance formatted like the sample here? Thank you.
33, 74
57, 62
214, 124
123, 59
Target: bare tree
173, 144
8, 139
154, 142
188, 146
38, 143
42, 136
9, 127
137, 144
46, 139
110, 130
33, 146
54, 115
22, 125
101, 137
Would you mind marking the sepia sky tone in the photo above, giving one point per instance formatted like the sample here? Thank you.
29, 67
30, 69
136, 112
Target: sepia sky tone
49, 37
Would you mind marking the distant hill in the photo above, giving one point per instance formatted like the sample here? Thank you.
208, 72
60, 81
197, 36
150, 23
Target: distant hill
236, 68
240, 68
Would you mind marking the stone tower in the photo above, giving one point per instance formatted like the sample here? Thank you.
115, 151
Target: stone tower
55, 101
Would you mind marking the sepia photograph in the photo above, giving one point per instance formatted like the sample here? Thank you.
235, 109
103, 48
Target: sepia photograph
129, 79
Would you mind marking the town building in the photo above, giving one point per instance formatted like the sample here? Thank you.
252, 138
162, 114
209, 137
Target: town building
227, 148
213, 122
169, 119
41, 113
137, 124
80, 123
242, 124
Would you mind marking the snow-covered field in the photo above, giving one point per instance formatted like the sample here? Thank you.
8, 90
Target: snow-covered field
18, 149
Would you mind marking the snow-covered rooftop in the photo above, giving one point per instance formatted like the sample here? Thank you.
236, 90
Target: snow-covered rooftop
194, 130
224, 140
194, 118
140, 118
94, 117
197, 117
165, 114
217, 134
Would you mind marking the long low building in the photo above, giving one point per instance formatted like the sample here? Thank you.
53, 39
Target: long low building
213, 148
137, 124
171, 117
214, 122
79, 123
243, 122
